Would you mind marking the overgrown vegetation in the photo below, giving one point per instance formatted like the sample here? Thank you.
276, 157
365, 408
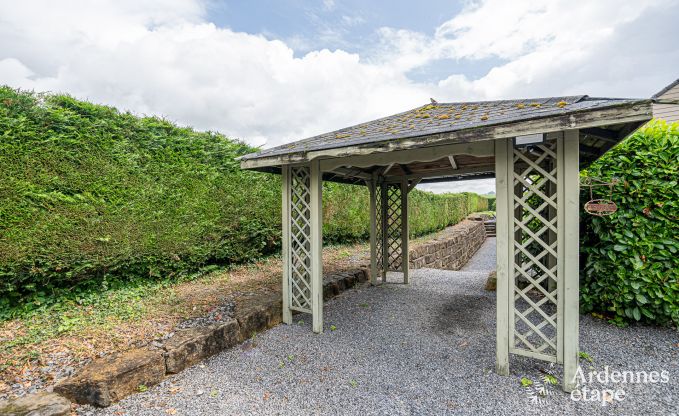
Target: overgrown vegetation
632, 257
91, 198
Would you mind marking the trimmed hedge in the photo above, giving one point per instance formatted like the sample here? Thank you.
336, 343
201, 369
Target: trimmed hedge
631, 271
90, 196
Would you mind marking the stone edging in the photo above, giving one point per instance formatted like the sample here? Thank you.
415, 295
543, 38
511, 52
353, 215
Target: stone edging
107, 380
451, 249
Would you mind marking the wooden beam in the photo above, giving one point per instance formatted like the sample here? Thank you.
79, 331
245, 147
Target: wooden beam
385, 240
413, 184
285, 243
405, 255
443, 173
459, 178
374, 188
570, 204
601, 133
428, 154
503, 203
452, 161
316, 252
388, 168
405, 169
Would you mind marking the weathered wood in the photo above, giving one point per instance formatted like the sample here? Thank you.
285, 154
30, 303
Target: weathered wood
571, 255
384, 236
443, 173
373, 230
316, 203
405, 255
427, 154
638, 111
451, 158
503, 209
285, 249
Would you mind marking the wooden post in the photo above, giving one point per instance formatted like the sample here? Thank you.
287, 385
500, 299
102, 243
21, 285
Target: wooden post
569, 205
285, 250
316, 203
503, 183
405, 255
385, 232
373, 230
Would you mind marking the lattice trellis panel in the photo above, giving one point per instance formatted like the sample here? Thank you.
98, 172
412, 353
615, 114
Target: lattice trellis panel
534, 224
379, 227
394, 224
388, 227
300, 239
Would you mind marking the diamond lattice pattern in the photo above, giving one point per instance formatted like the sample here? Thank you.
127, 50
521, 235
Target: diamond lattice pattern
535, 249
300, 239
394, 227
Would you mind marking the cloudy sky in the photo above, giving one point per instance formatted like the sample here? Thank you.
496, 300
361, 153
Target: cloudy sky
275, 71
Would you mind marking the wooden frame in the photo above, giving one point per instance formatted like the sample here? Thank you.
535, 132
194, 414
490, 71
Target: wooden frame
566, 236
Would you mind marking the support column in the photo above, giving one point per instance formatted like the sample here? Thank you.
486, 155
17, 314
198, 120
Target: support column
504, 260
405, 257
569, 205
316, 205
285, 243
372, 186
385, 231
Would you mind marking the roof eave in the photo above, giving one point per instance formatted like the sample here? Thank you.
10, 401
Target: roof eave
627, 112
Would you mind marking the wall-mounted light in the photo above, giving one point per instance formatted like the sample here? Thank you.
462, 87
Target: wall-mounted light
530, 139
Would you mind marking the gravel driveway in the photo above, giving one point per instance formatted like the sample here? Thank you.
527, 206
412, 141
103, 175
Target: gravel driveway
426, 348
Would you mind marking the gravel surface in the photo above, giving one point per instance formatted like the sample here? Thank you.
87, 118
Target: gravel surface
426, 348
217, 314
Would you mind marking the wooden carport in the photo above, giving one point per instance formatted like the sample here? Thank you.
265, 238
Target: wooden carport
533, 147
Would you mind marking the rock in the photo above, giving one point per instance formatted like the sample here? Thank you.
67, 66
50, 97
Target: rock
491, 283
189, 346
107, 380
330, 289
257, 313
39, 404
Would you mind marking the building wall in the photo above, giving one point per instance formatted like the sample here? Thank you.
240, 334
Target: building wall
669, 112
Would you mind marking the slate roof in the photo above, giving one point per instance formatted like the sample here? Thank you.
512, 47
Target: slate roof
441, 118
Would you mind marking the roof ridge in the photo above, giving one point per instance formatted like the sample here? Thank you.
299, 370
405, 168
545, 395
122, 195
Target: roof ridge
664, 90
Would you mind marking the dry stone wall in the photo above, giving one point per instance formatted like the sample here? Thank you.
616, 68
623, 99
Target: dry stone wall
451, 248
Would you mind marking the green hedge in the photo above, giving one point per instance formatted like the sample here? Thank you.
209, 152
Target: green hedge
90, 196
632, 257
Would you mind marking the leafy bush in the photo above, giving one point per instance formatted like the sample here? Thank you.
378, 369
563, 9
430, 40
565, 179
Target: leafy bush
491, 202
90, 197
632, 257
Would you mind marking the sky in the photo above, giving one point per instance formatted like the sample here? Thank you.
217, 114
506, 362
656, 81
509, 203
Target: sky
274, 71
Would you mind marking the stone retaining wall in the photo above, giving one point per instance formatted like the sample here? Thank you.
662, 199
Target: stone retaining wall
450, 249
107, 380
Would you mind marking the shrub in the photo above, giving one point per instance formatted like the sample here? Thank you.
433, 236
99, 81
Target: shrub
90, 197
632, 257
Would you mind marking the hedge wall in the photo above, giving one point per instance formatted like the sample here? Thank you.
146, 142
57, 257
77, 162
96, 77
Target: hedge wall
631, 270
89, 195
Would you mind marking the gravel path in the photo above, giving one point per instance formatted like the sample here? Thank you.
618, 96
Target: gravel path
426, 348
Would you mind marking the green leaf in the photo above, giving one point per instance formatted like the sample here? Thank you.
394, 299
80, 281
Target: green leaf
636, 313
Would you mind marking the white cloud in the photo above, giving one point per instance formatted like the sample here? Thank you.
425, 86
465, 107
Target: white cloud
164, 57
329, 4
551, 48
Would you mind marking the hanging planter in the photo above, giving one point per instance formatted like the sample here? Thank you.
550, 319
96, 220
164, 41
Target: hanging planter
600, 207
